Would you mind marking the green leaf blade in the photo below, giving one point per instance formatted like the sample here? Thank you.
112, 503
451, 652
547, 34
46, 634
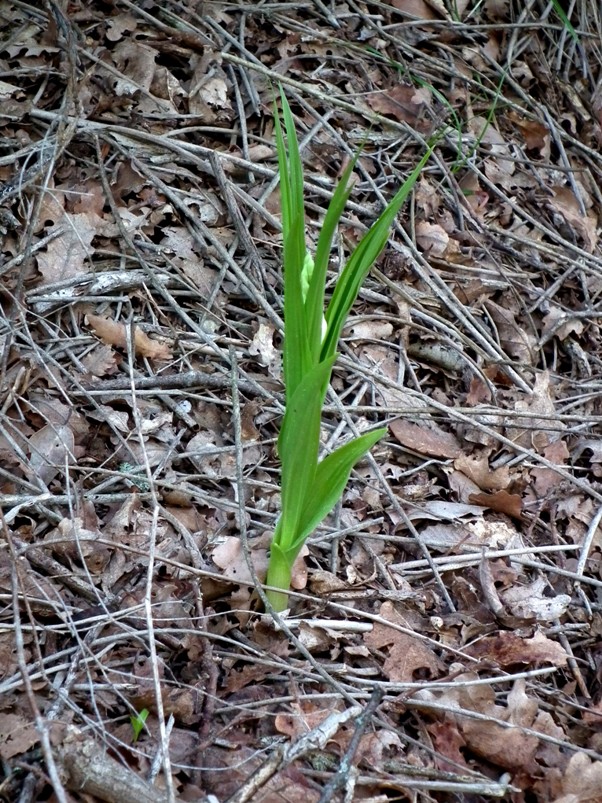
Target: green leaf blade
298, 446
361, 260
297, 355
315, 296
330, 479
137, 723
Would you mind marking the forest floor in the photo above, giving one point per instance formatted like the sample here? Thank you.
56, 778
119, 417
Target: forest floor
443, 638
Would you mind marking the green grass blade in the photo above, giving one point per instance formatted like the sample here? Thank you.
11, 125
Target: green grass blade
298, 446
315, 297
329, 482
361, 260
297, 357
565, 20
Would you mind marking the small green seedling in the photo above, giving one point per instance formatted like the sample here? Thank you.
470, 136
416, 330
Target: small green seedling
137, 721
310, 488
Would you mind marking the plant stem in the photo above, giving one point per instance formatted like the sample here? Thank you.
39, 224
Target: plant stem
279, 575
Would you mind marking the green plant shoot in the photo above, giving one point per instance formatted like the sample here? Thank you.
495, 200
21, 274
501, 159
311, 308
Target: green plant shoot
310, 488
137, 723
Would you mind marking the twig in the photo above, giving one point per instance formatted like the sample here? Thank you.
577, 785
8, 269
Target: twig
86, 768
189, 380
40, 722
148, 594
316, 739
343, 773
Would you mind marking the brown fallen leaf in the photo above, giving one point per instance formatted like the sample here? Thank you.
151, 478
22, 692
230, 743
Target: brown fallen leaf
582, 780
508, 648
114, 334
432, 238
17, 736
407, 654
68, 254
477, 469
585, 226
500, 501
426, 440
403, 102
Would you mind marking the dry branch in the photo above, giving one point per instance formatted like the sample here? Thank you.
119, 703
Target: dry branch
86, 767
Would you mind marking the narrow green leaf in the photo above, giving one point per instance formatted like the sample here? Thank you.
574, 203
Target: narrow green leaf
330, 480
361, 260
315, 298
566, 21
297, 357
298, 446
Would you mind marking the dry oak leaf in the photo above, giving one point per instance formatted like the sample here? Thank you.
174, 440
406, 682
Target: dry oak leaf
407, 654
566, 203
477, 469
114, 334
17, 736
67, 254
582, 781
501, 502
432, 238
508, 648
425, 440
403, 102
